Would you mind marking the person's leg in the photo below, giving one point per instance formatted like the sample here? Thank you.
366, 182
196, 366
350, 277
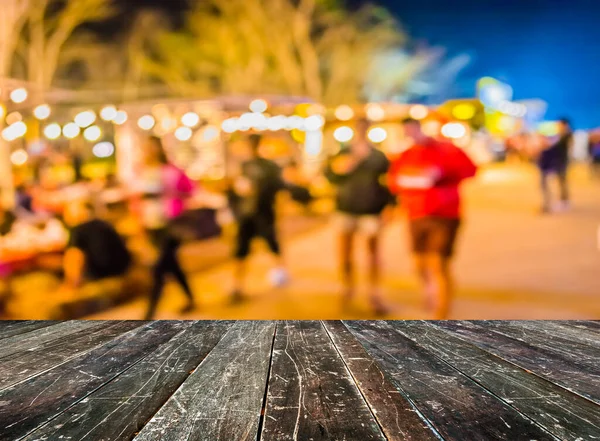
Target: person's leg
371, 226
546, 196
564, 185
419, 233
246, 231
268, 231
159, 273
173, 266
347, 231
438, 260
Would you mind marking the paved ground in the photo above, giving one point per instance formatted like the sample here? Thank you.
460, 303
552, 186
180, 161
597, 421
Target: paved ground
513, 264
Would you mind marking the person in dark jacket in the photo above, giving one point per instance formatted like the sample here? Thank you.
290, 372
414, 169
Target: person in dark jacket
362, 198
554, 160
252, 198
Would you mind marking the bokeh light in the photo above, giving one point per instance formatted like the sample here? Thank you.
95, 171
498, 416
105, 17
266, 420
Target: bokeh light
19, 95
85, 119
52, 131
120, 118
259, 106
344, 113
71, 130
108, 113
190, 119
103, 149
146, 122
377, 135
92, 133
418, 112
183, 133
343, 134
19, 157
42, 111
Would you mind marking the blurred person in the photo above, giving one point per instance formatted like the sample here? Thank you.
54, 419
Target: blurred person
594, 153
7, 219
298, 185
164, 189
426, 177
95, 251
363, 206
554, 160
252, 197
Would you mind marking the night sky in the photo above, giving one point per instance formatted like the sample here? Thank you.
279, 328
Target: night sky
544, 48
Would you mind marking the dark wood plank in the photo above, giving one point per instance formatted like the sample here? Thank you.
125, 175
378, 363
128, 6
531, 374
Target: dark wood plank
560, 412
16, 327
579, 378
311, 395
457, 407
590, 324
398, 418
23, 365
536, 334
39, 338
574, 331
35, 402
222, 399
120, 408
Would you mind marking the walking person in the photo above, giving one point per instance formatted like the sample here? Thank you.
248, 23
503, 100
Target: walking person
164, 189
361, 203
554, 160
594, 153
252, 198
427, 178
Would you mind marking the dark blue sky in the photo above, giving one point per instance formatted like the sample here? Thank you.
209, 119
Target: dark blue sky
545, 49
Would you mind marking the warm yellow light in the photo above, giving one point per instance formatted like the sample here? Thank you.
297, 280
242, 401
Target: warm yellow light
2, 111
259, 106
13, 117
52, 131
103, 149
454, 130
85, 119
146, 122
418, 112
375, 112
42, 112
210, 133
14, 131
71, 130
313, 123
343, 134
183, 133
92, 133
190, 119
120, 117
230, 125
464, 111
19, 95
377, 135
344, 113
108, 113
19, 157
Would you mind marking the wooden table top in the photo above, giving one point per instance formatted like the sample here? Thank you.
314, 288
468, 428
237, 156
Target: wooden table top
310, 380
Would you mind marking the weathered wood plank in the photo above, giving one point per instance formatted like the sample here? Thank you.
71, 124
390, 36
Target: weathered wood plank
579, 378
17, 327
458, 408
398, 418
120, 408
38, 400
26, 364
560, 412
567, 331
535, 334
38, 339
222, 399
590, 324
311, 395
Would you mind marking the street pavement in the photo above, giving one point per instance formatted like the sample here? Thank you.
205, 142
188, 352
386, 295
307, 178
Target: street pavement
512, 263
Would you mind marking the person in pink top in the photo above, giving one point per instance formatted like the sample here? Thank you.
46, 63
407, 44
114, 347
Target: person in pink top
164, 189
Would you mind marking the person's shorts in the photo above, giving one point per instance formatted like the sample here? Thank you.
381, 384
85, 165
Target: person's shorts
369, 225
434, 235
257, 227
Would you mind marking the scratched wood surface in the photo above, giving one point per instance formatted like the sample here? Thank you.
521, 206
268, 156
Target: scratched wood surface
356, 380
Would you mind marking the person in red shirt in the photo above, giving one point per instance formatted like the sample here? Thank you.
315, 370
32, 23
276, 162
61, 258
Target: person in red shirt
426, 177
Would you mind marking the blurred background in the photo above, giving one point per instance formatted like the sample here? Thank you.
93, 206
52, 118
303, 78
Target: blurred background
84, 83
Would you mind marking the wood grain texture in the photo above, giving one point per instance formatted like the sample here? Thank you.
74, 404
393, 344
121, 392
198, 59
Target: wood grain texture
457, 407
572, 331
38, 339
38, 400
398, 418
311, 394
560, 412
540, 336
120, 408
222, 399
18, 327
27, 364
577, 377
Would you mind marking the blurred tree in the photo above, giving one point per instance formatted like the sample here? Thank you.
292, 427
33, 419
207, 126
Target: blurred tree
49, 25
11, 21
313, 48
